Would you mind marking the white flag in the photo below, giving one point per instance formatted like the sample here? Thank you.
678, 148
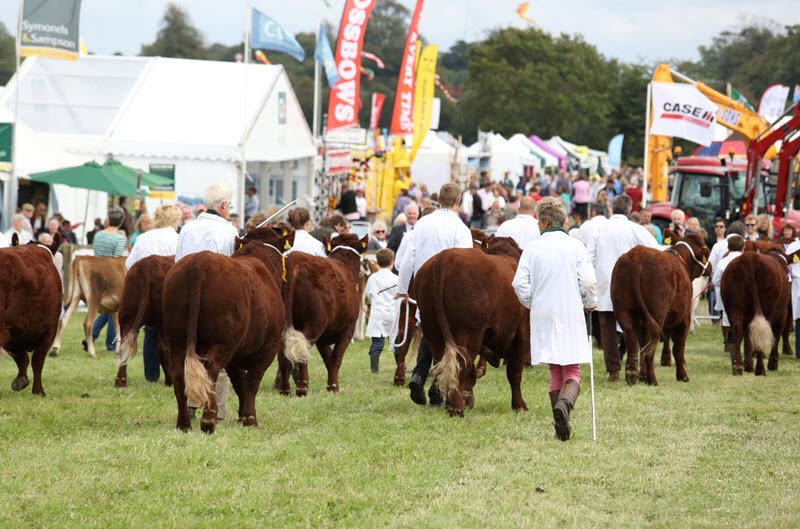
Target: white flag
773, 102
681, 110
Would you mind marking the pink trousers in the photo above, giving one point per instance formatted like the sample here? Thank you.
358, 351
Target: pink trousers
560, 374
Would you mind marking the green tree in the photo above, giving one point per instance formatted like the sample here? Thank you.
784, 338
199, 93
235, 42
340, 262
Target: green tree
177, 37
8, 55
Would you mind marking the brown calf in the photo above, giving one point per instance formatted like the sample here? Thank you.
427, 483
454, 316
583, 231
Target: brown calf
321, 303
225, 313
30, 304
462, 318
651, 292
98, 281
141, 305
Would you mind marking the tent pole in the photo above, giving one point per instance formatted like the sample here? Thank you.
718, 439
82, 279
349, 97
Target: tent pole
11, 189
86, 217
646, 144
242, 183
317, 90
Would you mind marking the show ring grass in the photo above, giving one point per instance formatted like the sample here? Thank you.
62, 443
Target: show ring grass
715, 452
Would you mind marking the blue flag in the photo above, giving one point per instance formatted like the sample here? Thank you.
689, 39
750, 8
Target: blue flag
615, 151
267, 34
324, 56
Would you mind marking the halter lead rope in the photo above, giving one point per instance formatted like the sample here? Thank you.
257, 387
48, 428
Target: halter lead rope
691, 252
283, 260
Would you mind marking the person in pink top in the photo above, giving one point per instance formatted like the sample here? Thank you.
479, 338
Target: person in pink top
581, 193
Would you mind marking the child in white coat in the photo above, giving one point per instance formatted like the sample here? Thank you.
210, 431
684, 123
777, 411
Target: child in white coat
379, 294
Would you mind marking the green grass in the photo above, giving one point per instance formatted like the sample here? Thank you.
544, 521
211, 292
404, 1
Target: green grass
716, 452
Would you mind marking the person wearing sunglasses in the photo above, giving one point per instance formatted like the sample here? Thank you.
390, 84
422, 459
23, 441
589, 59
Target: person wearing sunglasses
378, 238
751, 228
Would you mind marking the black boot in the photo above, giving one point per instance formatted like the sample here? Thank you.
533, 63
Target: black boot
373, 363
566, 401
417, 390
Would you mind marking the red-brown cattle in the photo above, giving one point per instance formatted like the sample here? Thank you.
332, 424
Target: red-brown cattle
30, 304
141, 305
321, 302
462, 318
755, 291
225, 313
98, 281
651, 292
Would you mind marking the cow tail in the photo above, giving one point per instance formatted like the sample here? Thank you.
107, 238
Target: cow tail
199, 387
296, 347
127, 346
654, 332
761, 337
446, 372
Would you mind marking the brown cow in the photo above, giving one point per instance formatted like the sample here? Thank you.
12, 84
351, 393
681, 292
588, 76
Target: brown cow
651, 292
30, 304
755, 292
98, 281
141, 305
462, 319
225, 313
321, 307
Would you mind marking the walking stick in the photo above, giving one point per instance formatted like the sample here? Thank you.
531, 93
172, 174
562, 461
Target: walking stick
591, 376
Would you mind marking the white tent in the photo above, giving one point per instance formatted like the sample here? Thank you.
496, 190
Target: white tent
434, 162
589, 158
547, 159
201, 117
503, 155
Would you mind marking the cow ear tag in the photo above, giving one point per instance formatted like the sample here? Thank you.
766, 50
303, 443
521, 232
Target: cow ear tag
796, 259
329, 247
705, 259
668, 240
286, 245
284, 232
363, 245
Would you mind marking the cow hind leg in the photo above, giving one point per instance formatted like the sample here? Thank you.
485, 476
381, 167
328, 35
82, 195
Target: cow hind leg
179, 388
37, 364
237, 376
283, 375
679, 335
774, 357
632, 346
252, 381
336, 357
88, 325
737, 328
208, 423
21, 359
748, 351
666, 354
300, 376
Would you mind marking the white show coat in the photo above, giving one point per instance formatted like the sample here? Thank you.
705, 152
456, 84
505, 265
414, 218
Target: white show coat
524, 229
555, 280
3, 241
23, 236
590, 228
438, 231
719, 249
716, 279
304, 242
616, 237
379, 293
161, 241
402, 250
207, 232
794, 269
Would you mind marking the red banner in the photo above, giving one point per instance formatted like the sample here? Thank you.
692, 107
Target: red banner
345, 99
403, 113
377, 107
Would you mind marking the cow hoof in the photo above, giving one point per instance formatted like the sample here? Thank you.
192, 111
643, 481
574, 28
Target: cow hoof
652, 382
284, 392
121, 382
53, 353
399, 382
748, 369
333, 388
772, 366
666, 362
250, 420
469, 400
522, 408
455, 413
39, 392
185, 428
207, 426
631, 377
20, 383
737, 371
301, 392
760, 372
683, 379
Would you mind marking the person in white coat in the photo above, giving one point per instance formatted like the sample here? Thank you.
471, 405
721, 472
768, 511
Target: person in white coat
735, 247
379, 295
590, 228
433, 233
794, 270
616, 237
161, 240
523, 228
556, 281
718, 251
300, 220
211, 231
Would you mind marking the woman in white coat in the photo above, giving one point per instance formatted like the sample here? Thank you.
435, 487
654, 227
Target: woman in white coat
735, 245
794, 268
379, 295
556, 281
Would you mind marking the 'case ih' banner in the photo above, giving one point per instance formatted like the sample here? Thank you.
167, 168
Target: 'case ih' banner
682, 110
345, 99
403, 112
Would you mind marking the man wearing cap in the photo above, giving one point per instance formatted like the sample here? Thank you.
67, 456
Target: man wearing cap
27, 211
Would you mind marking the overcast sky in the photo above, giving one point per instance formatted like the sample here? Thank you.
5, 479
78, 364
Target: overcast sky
627, 29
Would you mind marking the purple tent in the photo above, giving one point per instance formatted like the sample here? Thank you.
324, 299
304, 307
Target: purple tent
562, 158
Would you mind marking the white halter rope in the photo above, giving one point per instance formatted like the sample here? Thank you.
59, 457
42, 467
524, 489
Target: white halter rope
702, 265
347, 248
49, 252
396, 326
268, 245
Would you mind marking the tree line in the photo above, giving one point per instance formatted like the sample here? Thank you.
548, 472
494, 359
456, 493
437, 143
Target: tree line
514, 80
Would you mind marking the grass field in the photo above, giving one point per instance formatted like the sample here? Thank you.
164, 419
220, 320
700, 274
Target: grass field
716, 452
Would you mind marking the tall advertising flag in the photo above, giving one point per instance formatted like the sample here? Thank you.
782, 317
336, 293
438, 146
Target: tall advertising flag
403, 112
682, 110
50, 28
377, 106
345, 99
615, 151
773, 102
423, 96
324, 56
267, 34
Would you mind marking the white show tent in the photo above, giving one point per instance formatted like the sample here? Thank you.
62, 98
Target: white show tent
503, 156
434, 162
547, 159
588, 158
202, 117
